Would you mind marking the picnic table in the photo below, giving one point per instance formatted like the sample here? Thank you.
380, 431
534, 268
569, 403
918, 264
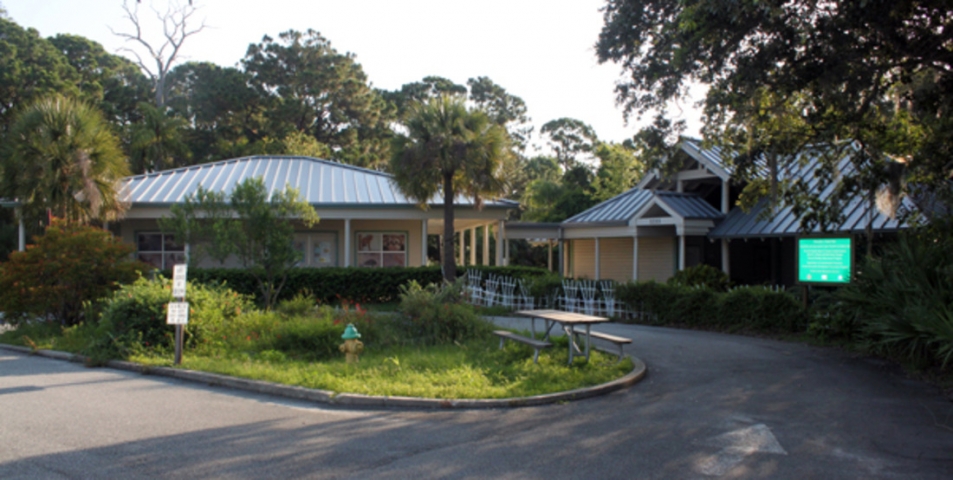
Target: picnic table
568, 321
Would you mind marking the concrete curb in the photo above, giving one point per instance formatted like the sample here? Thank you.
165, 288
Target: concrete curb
351, 399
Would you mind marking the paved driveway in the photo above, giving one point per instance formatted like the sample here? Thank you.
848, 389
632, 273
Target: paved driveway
711, 406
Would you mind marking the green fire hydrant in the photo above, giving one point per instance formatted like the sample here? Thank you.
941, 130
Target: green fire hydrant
352, 347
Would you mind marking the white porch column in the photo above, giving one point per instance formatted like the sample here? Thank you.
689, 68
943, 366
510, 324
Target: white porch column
423, 243
598, 260
473, 247
507, 244
463, 249
347, 242
22, 231
499, 243
486, 245
635, 256
681, 251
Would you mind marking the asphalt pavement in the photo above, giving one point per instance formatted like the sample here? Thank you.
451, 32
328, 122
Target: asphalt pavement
711, 406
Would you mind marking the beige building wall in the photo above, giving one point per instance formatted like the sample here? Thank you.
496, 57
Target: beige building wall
584, 258
615, 259
656, 258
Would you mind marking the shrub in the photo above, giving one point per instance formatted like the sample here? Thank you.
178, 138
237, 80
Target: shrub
760, 309
68, 266
135, 315
329, 285
438, 314
904, 301
302, 304
701, 275
755, 309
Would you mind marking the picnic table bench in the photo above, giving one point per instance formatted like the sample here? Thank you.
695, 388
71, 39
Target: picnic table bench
618, 341
536, 344
568, 321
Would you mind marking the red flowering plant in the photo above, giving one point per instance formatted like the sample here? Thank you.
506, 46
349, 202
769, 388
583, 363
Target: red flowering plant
66, 266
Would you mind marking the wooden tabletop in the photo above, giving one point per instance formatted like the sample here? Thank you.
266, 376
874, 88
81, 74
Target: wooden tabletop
562, 317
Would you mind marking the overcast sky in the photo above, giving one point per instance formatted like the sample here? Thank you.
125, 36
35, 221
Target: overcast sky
539, 50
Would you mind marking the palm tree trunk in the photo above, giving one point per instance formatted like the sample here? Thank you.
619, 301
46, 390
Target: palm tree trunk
449, 259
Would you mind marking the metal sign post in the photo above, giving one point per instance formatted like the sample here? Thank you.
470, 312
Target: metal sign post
178, 311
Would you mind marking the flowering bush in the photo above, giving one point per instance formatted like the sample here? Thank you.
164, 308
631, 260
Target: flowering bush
68, 265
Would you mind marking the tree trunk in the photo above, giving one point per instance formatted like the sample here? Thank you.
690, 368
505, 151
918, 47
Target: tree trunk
449, 259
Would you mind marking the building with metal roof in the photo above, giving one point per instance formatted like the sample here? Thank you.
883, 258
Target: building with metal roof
668, 223
365, 219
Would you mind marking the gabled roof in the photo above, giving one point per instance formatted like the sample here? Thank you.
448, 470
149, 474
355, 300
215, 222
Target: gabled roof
320, 182
616, 210
856, 210
689, 206
621, 209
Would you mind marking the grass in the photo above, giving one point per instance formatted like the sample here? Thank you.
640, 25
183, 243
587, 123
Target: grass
472, 369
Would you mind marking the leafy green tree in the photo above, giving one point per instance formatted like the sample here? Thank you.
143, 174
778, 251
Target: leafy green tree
312, 88
619, 170
877, 73
450, 150
61, 156
418, 92
569, 138
112, 83
156, 141
256, 230
503, 108
30, 68
224, 112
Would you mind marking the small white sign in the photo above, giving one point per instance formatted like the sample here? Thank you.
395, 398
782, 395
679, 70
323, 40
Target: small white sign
179, 274
178, 313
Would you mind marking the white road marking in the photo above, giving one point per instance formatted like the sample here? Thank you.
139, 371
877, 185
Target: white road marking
735, 447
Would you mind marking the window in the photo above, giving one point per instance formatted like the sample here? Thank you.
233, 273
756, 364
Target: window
386, 249
159, 250
316, 249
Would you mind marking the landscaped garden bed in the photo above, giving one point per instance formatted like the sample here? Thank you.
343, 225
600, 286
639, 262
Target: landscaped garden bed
435, 346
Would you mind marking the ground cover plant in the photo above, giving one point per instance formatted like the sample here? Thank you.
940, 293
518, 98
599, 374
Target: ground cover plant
434, 345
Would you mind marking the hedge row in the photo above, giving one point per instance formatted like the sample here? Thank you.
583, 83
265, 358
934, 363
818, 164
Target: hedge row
749, 308
365, 285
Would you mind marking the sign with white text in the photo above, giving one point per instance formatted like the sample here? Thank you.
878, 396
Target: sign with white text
178, 313
179, 274
825, 260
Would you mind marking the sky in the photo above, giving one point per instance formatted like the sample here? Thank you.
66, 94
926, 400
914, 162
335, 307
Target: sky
542, 51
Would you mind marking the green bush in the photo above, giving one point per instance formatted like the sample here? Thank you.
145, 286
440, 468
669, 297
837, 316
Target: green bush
68, 266
302, 304
701, 276
437, 314
760, 309
755, 309
134, 317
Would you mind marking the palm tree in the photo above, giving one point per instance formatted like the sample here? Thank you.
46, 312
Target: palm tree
62, 157
156, 142
452, 150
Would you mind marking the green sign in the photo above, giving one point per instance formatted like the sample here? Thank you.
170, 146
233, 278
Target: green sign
824, 260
